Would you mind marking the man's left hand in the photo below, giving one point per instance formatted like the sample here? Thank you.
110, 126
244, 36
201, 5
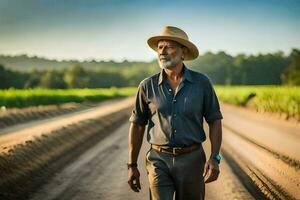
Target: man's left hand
211, 171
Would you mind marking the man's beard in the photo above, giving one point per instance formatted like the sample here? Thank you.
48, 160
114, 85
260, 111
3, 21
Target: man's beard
163, 64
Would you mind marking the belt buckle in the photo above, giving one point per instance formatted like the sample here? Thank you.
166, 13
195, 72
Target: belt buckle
174, 150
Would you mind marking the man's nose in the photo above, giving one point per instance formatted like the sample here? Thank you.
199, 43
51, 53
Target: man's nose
163, 50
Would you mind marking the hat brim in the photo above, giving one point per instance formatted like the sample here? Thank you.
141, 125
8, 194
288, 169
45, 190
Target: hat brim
192, 49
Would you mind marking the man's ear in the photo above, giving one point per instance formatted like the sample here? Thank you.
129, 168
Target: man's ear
184, 52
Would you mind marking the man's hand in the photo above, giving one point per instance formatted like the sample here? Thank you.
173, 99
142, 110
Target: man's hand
134, 179
211, 171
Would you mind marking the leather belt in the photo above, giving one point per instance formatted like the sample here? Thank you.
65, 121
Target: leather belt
175, 150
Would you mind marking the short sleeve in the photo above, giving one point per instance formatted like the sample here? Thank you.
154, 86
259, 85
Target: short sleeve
211, 104
140, 110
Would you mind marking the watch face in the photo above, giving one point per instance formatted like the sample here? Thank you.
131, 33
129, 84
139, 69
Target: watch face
217, 157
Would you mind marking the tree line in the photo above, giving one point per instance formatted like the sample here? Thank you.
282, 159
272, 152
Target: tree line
222, 68
262, 69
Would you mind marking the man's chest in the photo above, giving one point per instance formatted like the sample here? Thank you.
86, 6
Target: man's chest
174, 85
188, 100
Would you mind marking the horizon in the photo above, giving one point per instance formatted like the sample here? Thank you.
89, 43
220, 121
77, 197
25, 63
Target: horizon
117, 30
147, 61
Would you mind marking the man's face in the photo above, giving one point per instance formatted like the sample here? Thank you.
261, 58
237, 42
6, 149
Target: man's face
169, 53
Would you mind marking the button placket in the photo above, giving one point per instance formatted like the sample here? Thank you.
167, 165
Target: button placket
174, 115
174, 108
171, 100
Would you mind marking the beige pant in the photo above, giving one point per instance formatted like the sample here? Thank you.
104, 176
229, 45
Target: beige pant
179, 175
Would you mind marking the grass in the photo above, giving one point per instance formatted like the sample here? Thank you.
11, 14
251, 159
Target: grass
33, 97
276, 99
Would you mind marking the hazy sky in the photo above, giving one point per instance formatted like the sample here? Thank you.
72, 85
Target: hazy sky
118, 29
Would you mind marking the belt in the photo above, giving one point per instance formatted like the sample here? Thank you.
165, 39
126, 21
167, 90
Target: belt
175, 150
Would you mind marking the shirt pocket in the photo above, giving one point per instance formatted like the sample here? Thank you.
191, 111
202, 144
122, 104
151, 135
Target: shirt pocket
193, 103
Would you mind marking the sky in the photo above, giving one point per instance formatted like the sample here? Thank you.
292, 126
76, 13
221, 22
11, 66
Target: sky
118, 29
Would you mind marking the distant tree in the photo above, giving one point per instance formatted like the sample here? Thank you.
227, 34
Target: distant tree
34, 78
53, 79
219, 67
134, 75
76, 77
261, 69
11, 79
3, 78
105, 79
239, 74
241, 69
291, 75
18, 79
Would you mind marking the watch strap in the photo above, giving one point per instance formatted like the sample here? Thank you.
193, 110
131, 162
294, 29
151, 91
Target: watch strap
131, 165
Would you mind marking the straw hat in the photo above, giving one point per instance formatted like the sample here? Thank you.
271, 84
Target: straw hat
177, 35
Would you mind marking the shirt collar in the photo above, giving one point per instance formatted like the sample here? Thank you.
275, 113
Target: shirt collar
186, 75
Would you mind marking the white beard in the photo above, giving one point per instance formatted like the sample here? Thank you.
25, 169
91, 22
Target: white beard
170, 63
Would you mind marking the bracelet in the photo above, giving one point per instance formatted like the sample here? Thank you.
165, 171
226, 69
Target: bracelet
130, 165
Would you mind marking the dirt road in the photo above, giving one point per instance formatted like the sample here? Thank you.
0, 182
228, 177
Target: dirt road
267, 148
100, 173
19, 133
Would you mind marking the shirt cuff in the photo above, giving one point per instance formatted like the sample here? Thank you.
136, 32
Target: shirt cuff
214, 116
138, 120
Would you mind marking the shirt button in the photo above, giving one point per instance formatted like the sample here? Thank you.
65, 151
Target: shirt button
174, 115
170, 90
175, 130
174, 100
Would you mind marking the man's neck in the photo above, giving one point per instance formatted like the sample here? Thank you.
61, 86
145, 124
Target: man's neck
175, 73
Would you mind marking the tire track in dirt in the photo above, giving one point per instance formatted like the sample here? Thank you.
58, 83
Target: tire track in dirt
101, 173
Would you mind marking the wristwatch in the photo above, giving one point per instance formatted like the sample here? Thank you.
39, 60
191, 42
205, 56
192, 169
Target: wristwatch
130, 165
217, 157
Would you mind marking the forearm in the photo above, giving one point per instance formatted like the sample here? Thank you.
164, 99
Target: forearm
215, 136
135, 140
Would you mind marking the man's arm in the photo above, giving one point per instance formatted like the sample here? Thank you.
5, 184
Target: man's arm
135, 140
211, 169
215, 136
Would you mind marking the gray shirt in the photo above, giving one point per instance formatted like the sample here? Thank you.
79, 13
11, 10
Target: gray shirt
176, 121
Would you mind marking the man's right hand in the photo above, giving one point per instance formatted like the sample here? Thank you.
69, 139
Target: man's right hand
134, 179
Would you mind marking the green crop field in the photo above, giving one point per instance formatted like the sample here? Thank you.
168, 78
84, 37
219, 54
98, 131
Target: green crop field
278, 99
33, 97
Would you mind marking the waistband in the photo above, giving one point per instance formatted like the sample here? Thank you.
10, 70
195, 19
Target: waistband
175, 150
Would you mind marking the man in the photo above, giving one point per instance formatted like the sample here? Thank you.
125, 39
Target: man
173, 104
